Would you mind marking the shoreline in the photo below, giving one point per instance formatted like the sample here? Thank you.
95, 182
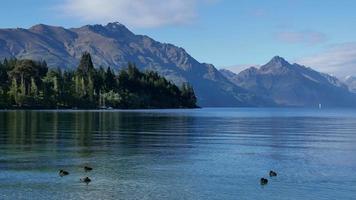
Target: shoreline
94, 109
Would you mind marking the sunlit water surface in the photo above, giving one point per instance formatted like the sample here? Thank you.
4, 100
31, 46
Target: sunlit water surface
179, 154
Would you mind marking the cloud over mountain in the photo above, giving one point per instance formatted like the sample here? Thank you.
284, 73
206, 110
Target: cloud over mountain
301, 37
143, 13
339, 60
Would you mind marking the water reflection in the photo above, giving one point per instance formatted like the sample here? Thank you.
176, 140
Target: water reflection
170, 154
89, 131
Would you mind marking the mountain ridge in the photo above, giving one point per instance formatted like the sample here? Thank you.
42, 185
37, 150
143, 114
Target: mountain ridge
293, 84
114, 45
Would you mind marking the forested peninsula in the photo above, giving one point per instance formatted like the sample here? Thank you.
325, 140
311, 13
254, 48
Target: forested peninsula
29, 84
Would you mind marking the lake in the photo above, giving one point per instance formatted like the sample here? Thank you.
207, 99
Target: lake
210, 153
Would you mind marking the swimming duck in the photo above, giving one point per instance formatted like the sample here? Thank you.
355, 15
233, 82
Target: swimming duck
63, 173
272, 173
86, 180
264, 181
88, 169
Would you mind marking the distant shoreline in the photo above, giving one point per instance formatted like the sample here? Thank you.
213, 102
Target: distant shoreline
28, 84
95, 109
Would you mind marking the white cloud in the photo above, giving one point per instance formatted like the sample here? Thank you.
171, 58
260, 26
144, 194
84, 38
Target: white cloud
134, 13
301, 37
339, 60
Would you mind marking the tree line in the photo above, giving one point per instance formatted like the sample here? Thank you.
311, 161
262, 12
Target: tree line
31, 84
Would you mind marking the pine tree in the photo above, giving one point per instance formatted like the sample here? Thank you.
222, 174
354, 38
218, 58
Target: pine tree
110, 82
188, 95
78, 90
23, 86
13, 92
34, 88
90, 88
83, 87
86, 66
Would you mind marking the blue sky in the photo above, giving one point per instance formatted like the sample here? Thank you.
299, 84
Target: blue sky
226, 33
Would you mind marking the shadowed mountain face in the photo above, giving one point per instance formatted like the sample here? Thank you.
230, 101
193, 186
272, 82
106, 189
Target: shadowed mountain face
114, 45
293, 85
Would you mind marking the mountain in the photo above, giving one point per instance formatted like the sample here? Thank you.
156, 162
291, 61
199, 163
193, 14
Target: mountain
293, 85
350, 81
114, 45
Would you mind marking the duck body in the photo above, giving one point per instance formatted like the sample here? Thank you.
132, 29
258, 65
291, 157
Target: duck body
263, 181
63, 173
88, 169
86, 180
272, 173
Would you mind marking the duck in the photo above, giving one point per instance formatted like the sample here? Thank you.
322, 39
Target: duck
87, 169
264, 181
63, 173
86, 180
272, 173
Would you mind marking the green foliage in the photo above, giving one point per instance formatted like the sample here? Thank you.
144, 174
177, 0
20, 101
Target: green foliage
86, 66
188, 95
110, 80
30, 84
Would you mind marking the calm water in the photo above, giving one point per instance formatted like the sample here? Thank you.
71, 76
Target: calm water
179, 154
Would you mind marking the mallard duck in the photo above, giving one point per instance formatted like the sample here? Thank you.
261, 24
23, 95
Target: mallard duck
272, 173
86, 180
88, 169
63, 173
264, 181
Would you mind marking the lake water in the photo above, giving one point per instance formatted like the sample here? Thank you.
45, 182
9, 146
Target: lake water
179, 154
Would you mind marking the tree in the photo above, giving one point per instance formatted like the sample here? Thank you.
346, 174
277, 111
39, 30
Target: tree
90, 88
188, 95
85, 78
4, 86
123, 79
25, 70
13, 92
69, 93
99, 77
34, 88
86, 66
133, 72
4, 77
110, 80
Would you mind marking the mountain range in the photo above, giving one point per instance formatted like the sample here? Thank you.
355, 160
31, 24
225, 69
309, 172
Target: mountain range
278, 83
293, 85
114, 46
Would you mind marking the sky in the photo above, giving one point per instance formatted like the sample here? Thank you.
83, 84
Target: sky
231, 34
